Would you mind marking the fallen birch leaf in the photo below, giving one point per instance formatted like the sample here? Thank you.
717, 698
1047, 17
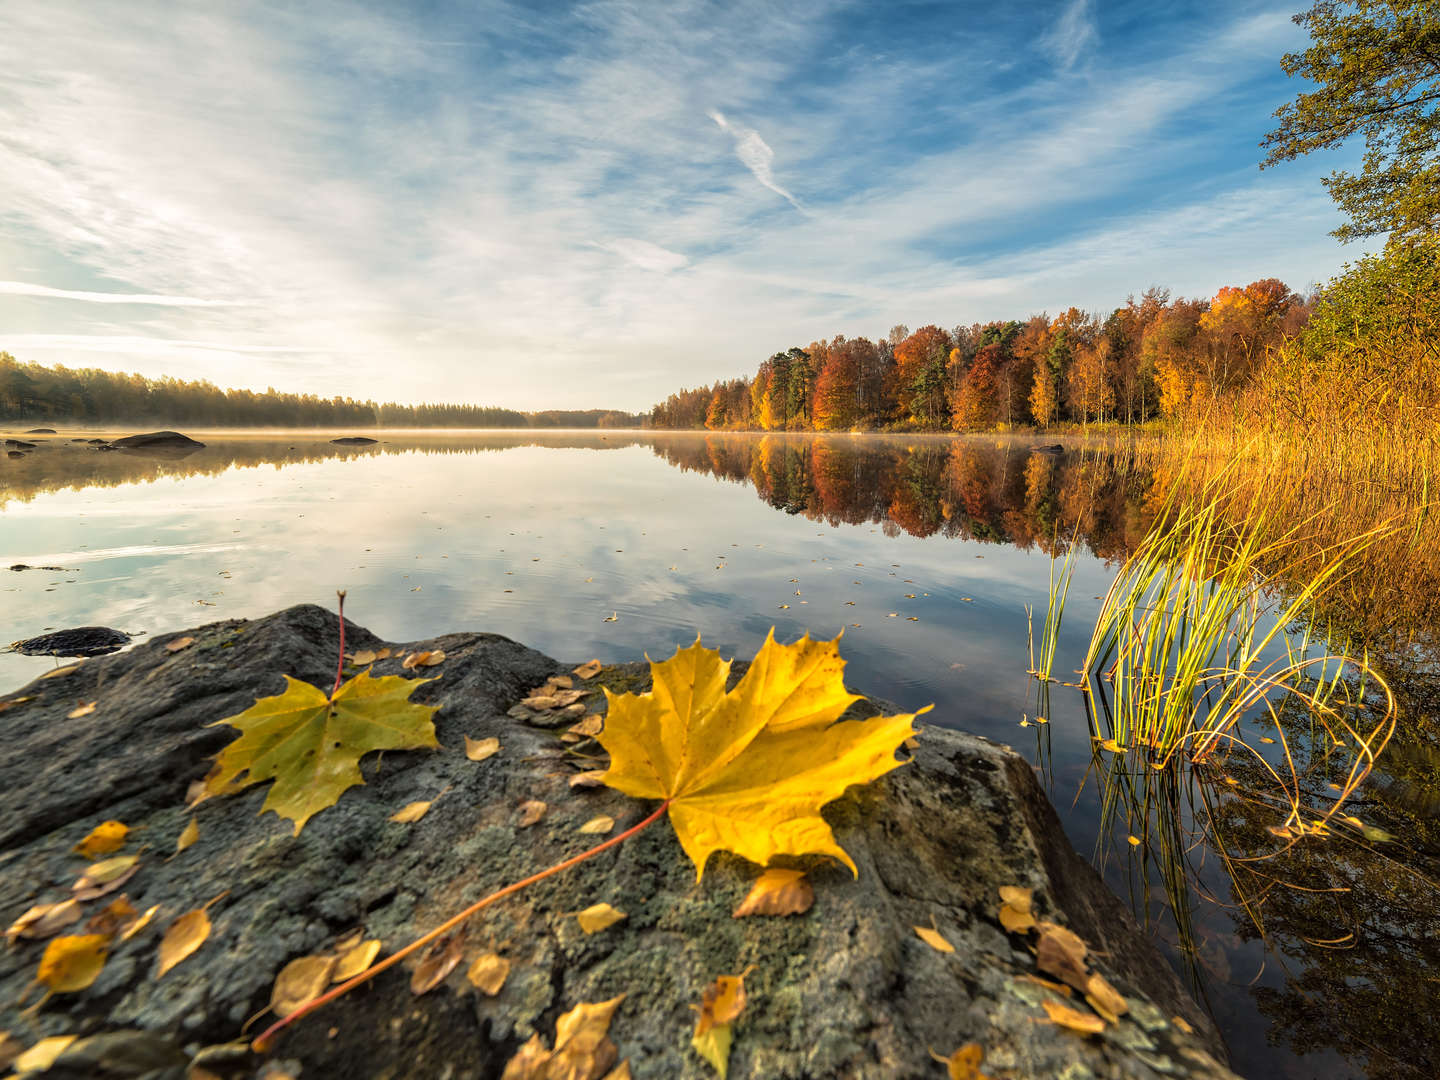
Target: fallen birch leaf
439, 962
777, 892
583, 1050
722, 1001
488, 973
105, 876
183, 937
597, 917
933, 938
354, 959
427, 658
1066, 1017
43, 920
1015, 913
106, 837
588, 670
411, 812
591, 778
480, 749
42, 1055
560, 682
963, 1064
1105, 999
179, 643
72, 963
714, 1046
598, 825
140, 923
749, 770
531, 811
68, 669
114, 917
1061, 953
188, 836
302, 979
81, 710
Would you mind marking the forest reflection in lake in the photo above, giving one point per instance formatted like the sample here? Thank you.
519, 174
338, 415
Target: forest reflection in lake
924, 550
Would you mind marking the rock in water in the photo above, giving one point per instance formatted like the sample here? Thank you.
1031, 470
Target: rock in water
354, 440
79, 641
157, 440
845, 990
40, 431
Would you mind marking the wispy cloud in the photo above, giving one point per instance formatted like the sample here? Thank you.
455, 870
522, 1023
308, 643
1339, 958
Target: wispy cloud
1072, 33
755, 154
25, 288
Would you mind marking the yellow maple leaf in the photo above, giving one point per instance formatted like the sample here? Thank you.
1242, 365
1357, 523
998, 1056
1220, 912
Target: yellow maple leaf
748, 771
311, 744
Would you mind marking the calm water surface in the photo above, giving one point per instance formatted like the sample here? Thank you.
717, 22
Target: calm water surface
925, 552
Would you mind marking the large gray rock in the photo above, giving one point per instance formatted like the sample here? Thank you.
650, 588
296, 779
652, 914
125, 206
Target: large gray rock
846, 990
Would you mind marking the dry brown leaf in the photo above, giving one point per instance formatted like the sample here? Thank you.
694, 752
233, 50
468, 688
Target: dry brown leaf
583, 1050
43, 1054
438, 963
934, 939
569, 737
722, 1001
540, 701
81, 710
363, 657
488, 973
559, 682
1059, 988
1061, 953
1105, 999
140, 923
68, 669
573, 710
777, 892
106, 837
10, 1049
557, 699
179, 643
587, 670
963, 1064
531, 811
480, 749
411, 812
427, 658
1015, 910
597, 917
188, 836
599, 825
302, 979
73, 962
105, 876
114, 917
43, 920
183, 937
353, 959
591, 726
591, 778
1066, 1017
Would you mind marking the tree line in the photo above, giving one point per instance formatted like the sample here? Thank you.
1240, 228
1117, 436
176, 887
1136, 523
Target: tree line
1153, 356
94, 398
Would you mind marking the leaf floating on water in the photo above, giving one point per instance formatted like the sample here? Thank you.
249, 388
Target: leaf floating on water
963, 1064
105, 876
355, 959
428, 658
43, 920
599, 917
614, 617
301, 980
1066, 1017
531, 811
81, 710
179, 643
933, 938
588, 670
411, 812
1111, 745
1105, 999
190, 834
1133, 840
488, 973
583, 1050
106, 837
598, 826
777, 892
42, 1055
70, 964
480, 749
311, 744
748, 771
439, 962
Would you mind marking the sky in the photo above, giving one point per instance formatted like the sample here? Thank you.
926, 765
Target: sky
573, 205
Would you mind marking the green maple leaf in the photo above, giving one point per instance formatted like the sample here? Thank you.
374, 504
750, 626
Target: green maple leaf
311, 744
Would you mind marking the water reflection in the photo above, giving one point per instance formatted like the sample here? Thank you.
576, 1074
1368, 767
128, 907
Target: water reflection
924, 550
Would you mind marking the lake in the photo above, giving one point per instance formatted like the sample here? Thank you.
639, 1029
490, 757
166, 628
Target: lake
925, 551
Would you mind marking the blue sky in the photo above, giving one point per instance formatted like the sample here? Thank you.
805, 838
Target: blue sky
568, 205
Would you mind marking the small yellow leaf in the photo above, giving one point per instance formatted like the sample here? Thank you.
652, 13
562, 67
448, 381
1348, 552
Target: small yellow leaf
1133, 840
1014, 920
591, 726
722, 1001
583, 1050
411, 812
1105, 999
531, 811
598, 825
116, 915
439, 962
182, 938
43, 1054
355, 959
140, 923
934, 939
480, 749
559, 682
427, 658
777, 892
81, 710
1111, 745
714, 1046
1061, 953
105, 876
68, 669
364, 656
963, 1064
597, 917
302, 979
72, 963
190, 834
488, 973
1066, 1017
588, 670
179, 643
43, 920
589, 779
